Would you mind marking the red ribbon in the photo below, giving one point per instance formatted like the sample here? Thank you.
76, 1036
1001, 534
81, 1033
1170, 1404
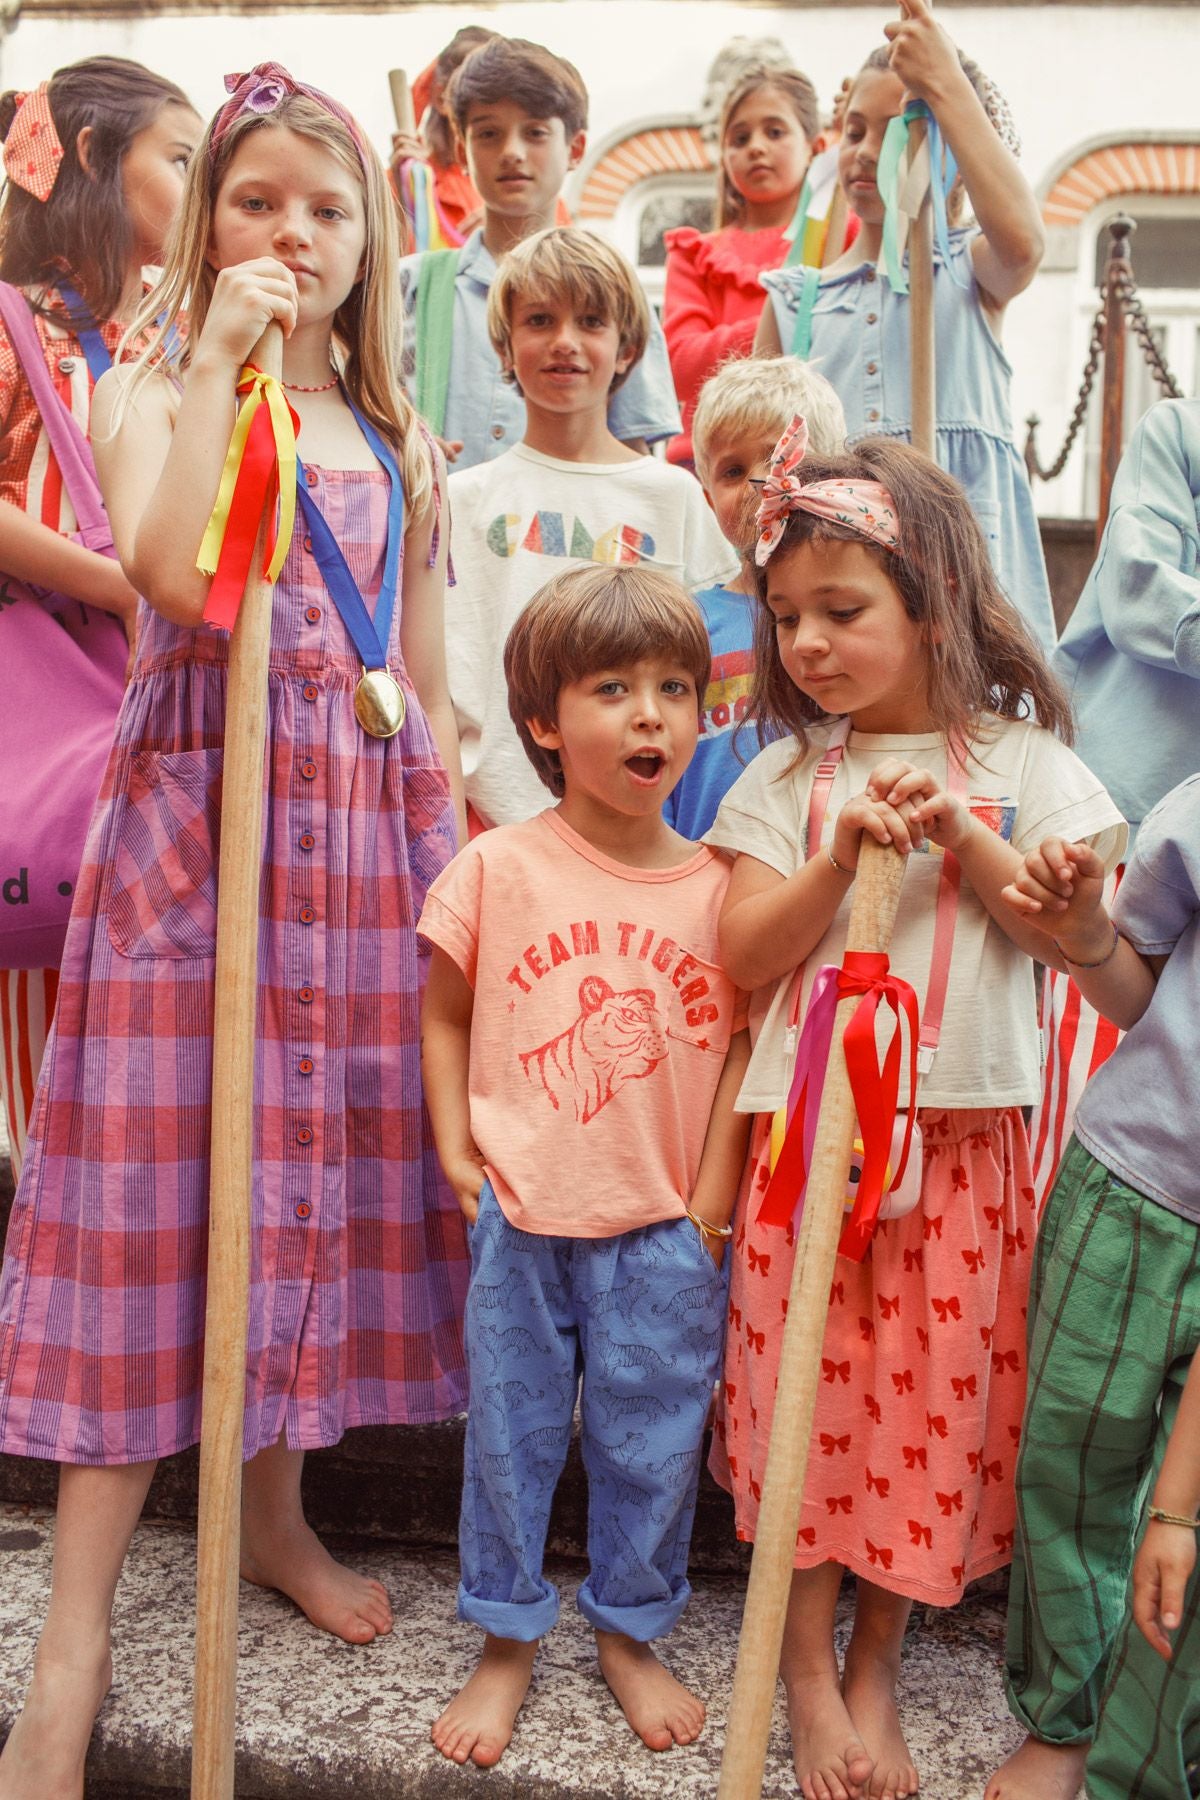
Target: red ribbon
256, 491
876, 1092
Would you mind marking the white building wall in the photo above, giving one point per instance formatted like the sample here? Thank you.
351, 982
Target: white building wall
1072, 74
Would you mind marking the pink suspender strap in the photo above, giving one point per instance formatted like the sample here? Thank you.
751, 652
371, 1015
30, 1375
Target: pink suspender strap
948, 889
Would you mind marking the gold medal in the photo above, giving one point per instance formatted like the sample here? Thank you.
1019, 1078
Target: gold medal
379, 704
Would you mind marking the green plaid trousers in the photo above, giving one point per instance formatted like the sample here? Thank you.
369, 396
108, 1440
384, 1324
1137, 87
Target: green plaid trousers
1114, 1320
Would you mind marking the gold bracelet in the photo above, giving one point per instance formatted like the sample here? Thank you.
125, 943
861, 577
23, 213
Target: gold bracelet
840, 867
706, 1228
1100, 961
1166, 1518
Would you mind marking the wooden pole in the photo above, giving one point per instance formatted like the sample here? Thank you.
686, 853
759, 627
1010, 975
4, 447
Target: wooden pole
402, 103
920, 302
1112, 405
835, 230
876, 896
232, 1151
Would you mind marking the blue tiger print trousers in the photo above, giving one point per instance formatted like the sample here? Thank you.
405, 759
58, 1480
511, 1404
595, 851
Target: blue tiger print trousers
634, 1325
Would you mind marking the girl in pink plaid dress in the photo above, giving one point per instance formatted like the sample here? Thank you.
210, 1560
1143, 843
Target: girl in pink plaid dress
358, 1255
915, 707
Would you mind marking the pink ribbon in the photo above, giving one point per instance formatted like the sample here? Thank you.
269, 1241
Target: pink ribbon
264, 88
865, 506
32, 151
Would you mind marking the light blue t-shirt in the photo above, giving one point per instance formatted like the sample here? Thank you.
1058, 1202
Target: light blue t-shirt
722, 751
860, 343
1138, 1112
485, 412
1130, 654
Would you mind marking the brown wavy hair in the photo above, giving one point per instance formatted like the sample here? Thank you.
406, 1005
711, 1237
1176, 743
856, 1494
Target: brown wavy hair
982, 657
82, 231
802, 98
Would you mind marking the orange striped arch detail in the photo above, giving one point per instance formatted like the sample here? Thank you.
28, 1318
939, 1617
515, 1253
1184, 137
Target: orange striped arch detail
664, 150
1156, 168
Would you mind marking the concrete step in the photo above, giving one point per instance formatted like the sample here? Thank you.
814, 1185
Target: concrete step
338, 1722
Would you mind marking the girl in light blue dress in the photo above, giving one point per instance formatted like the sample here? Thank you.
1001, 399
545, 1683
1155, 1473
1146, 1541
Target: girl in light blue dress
855, 327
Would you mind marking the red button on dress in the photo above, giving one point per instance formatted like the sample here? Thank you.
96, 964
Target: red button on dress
308, 770
310, 690
310, 478
305, 995
306, 1065
304, 1134
303, 1209
312, 614
307, 914
306, 840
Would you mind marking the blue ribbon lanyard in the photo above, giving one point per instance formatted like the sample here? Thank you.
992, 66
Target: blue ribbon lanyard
370, 636
87, 331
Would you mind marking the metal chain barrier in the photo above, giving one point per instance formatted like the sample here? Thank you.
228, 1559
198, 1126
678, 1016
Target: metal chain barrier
1135, 317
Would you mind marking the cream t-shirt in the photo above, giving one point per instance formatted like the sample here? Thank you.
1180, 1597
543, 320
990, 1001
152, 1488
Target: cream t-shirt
517, 522
600, 1025
1025, 785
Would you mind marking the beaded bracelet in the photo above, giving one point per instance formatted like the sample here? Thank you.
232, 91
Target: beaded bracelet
835, 864
706, 1228
1100, 960
1166, 1518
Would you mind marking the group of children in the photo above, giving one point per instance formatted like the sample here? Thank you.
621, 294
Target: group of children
516, 1108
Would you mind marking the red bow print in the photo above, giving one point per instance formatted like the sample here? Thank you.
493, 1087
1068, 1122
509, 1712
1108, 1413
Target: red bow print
921, 1534
992, 1471
835, 1371
923, 1338
878, 1554
731, 1390
1014, 1241
829, 1443
985, 1333
947, 1309
757, 1260
733, 1467
837, 1293
903, 1379
874, 1408
735, 1315
949, 1503
934, 1422
962, 1385
1003, 1540
913, 1259
958, 1177
957, 1571
914, 1455
755, 1339
890, 1309
756, 1488
993, 1215
1004, 1359
839, 1503
1014, 1432
808, 1534
878, 1484
867, 1327
783, 1306
933, 1227
974, 1260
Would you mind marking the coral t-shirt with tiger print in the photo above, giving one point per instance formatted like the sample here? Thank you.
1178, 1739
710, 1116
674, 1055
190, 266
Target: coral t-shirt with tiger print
600, 1025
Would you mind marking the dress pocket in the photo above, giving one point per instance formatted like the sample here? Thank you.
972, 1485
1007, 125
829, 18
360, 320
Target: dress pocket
429, 827
163, 893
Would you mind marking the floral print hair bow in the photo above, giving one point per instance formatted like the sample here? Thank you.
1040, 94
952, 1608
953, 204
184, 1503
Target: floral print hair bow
32, 152
865, 507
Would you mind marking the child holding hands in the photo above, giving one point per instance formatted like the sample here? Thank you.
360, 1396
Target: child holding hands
582, 1052
358, 1260
857, 326
913, 706
1114, 1320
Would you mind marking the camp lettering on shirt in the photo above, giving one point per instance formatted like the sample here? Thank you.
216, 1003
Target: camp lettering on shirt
600, 1026
520, 520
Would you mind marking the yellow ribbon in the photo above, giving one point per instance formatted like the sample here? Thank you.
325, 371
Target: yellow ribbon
256, 388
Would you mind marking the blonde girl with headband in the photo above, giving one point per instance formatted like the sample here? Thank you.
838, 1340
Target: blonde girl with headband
358, 1258
855, 324
94, 161
911, 706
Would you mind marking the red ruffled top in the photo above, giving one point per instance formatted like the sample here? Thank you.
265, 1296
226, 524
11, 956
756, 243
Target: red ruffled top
711, 306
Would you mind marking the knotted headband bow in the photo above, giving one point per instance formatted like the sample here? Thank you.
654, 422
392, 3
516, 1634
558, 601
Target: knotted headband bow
264, 89
865, 507
32, 151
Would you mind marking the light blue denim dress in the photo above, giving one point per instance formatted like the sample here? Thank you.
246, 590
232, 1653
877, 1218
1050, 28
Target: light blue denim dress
860, 343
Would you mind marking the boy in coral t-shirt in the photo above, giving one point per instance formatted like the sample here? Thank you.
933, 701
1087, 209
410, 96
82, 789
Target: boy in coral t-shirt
582, 1053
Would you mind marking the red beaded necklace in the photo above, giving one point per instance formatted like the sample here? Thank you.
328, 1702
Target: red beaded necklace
296, 387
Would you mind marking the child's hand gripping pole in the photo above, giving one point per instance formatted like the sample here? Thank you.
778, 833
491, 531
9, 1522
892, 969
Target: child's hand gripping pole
219, 1525
872, 916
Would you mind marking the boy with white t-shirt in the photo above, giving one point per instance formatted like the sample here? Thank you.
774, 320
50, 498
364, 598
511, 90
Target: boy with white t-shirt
568, 320
582, 1049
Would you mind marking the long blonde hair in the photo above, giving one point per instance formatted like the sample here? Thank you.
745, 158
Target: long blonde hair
367, 325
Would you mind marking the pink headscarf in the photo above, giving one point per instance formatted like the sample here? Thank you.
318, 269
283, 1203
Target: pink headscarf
865, 506
32, 151
265, 88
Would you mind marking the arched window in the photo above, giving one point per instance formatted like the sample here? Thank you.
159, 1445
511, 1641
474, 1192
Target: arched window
643, 181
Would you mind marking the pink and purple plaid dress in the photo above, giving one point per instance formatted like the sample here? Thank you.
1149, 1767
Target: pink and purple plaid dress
359, 1262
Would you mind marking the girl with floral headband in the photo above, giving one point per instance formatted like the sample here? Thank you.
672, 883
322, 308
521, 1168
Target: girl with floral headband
912, 706
94, 161
854, 318
358, 1258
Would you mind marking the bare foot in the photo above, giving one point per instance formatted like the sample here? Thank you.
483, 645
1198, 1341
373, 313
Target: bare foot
869, 1690
48, 1744
660, 1709
1038, 1771
293, 1559
478, 1723
832, 1762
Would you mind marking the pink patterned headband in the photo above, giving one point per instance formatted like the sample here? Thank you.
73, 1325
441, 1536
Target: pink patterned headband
265, 89
865, 506
32, 151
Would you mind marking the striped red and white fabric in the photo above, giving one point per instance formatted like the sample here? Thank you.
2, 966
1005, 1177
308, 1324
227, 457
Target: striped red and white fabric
27, 999
1075, 1042
358, 1254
